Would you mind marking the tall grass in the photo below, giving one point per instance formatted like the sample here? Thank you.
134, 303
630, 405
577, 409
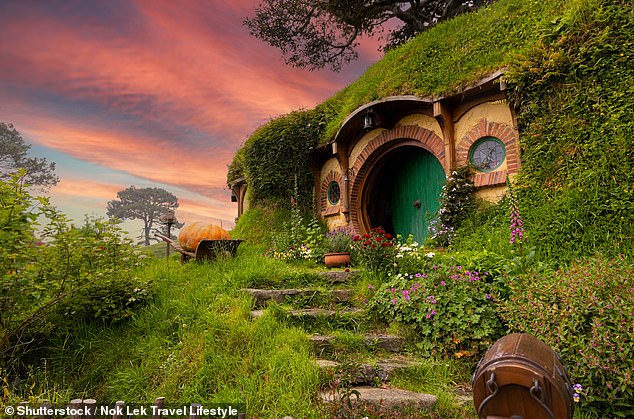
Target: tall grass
196, 342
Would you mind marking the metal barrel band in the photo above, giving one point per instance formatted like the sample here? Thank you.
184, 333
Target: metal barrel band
492, 386
534, 391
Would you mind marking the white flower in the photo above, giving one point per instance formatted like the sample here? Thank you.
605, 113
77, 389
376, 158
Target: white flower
430, 255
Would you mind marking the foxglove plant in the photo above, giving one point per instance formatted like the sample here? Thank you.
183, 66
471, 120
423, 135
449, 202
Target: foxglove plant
518, 234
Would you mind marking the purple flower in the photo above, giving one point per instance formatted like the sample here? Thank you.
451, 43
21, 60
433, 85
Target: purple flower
488, 297
369, 286
394, 301
443, 283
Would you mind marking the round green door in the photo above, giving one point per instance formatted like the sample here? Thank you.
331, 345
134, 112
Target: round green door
417, 186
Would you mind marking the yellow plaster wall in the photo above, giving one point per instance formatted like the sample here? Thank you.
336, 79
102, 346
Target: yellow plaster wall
335, 221
492, 194
361, 143
497, 111
423, 121
331, 164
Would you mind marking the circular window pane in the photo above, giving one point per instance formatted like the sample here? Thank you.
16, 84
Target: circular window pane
487, 154
334, 193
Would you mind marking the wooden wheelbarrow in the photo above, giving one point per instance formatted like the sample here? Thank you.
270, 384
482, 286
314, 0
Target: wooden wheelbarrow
206, 249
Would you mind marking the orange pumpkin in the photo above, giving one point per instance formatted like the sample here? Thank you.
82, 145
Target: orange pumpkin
192, 233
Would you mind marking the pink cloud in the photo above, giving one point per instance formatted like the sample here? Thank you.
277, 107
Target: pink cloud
166, 92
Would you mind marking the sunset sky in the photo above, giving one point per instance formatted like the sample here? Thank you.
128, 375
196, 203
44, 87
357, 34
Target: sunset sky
146, 93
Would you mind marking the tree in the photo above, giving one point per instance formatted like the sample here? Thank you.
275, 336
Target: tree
147, 204
14, 156
319, 33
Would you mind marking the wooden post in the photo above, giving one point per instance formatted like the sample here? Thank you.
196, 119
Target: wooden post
442, 114
120, 407
158, 403
90, 407
76, 405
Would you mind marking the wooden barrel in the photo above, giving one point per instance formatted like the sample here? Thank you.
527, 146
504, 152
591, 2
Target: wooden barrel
520, 377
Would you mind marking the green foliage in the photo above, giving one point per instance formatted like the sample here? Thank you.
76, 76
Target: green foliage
290, 243
573, 93
317, 35
449, 306
257, 223
451, 55
585, 314
194, 342
410, 256
276, 149
338, 240
375, 251
145, 204
87, 272
457, 201
14, 156
106, 262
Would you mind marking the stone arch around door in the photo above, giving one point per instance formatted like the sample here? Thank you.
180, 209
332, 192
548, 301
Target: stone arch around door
378, 148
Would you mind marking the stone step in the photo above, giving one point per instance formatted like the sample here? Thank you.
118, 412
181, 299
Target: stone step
314, 312
339, 277
367, 373
386, 398
262, 296
390, 343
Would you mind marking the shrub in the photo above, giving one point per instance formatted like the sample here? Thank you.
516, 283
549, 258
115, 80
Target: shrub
585, 314
375, 251
338, 240
58, 266
450, 307
457, 201
410, 256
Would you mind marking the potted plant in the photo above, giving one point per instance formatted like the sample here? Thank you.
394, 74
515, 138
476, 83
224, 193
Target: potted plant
338, 243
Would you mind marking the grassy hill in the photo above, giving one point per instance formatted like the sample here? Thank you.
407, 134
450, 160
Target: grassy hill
566, 64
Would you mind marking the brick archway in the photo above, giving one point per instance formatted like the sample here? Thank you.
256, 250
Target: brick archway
504, 133
378, 148
326, 209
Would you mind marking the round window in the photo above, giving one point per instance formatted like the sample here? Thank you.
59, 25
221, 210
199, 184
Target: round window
334, 193
487, 154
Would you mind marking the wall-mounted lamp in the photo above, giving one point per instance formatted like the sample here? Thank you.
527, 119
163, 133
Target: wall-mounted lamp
369, 120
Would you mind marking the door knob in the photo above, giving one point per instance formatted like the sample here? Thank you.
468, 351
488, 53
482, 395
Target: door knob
417, 204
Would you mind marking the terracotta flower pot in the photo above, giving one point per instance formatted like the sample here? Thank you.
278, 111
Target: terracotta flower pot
335, 260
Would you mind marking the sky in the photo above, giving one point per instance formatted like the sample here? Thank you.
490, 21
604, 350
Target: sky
147, 93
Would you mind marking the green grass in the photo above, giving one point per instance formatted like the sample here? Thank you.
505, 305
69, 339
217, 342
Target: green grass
196, 342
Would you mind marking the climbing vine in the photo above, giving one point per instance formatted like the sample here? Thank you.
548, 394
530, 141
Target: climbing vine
277, 155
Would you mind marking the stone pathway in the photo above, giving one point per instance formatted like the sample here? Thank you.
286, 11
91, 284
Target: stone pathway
367, 382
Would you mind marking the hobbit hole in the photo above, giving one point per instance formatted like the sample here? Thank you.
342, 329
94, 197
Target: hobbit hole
389, 160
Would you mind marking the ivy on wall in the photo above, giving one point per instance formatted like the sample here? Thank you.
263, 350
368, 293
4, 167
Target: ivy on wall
274, 160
